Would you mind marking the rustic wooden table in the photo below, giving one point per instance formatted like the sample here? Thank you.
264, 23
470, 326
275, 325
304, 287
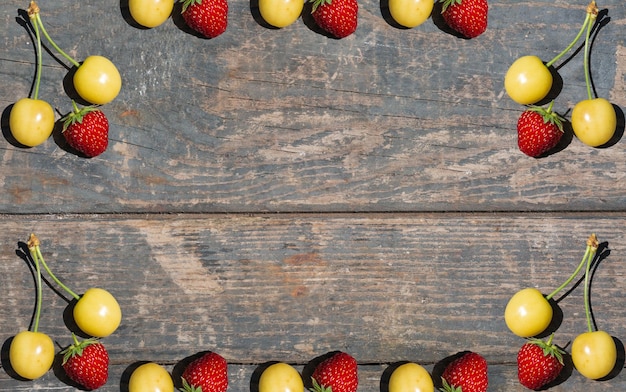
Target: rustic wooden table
273, 195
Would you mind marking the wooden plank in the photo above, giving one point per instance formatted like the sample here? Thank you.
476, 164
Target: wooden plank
384, 287
502, 377
289, 120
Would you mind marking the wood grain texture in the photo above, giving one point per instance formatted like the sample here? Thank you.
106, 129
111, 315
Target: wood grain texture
502, 378
290, 120
386, 287
406, 216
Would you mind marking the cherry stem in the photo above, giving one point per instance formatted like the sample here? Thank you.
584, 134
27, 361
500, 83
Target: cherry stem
588, 18
32, 242
37, 19
588, 253
33, 9
37, 256
594, 246
592, 14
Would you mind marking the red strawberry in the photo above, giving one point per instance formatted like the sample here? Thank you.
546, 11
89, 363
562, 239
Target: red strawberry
538, 130
538, 363
338, 17
207, 17
87, 363
467, 373
468, 17
87, 130
209, 373
337, 374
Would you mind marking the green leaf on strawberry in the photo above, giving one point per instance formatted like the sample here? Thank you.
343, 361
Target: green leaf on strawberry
318, 388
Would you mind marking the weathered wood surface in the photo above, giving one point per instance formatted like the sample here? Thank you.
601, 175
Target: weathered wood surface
384, 287
408, 216
290, 120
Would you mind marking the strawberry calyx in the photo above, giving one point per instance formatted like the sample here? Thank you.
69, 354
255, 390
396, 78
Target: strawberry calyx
549, 117
189, 388
319, 388
318, 3
449, 388
77, 115
189, 3
448, 3
77, 348
549, 349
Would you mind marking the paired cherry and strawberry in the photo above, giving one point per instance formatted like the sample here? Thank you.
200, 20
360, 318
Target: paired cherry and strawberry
207, 17
209, 373
529, 80
86, 363
96, 80
97, 313
528, 313
539, 130
467, 373
539, 363
467, 17
337, 17
338, 373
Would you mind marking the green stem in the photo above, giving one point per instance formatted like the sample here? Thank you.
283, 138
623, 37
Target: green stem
39, 59
39, 285
587, 254
54, 45
571, 45
586, 61
43, 262
586, 294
